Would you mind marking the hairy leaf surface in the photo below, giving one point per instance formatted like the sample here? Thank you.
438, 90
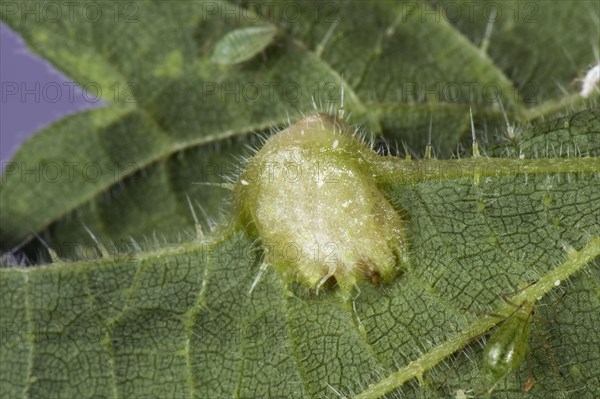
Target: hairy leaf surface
176, 118
167, 313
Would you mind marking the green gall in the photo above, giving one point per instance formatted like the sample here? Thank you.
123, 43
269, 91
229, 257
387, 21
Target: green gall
311, 197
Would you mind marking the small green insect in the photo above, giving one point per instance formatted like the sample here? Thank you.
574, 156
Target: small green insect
243, 44
506, 348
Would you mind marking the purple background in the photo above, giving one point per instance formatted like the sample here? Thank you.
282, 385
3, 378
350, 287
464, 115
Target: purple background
45, 97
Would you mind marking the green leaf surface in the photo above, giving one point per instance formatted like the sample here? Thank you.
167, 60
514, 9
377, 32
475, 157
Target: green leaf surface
409, 66
169, 313
533, 43
180, 321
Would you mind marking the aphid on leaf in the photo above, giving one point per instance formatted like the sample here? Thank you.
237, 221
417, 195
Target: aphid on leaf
505, 350
507, 347
243, 44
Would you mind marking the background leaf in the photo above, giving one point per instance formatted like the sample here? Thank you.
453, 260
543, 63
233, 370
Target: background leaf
408, 66
177, 320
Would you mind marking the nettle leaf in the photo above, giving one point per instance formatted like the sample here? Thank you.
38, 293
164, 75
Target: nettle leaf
176, 118
519, 219
189, 320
